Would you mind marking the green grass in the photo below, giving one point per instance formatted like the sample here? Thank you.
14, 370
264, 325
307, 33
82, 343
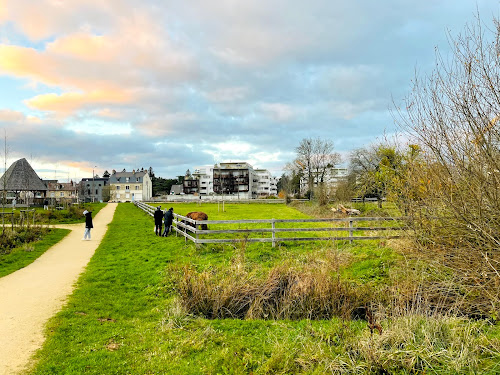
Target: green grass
124, 317
22, 256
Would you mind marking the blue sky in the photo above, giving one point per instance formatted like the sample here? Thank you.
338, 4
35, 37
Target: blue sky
177, 84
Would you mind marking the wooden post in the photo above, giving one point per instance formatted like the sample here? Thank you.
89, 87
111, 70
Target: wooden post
273, 224
350, 231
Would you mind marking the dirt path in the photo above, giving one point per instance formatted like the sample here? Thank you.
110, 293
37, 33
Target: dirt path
32, 295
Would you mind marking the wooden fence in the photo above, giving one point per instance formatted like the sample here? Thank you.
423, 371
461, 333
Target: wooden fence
346, 229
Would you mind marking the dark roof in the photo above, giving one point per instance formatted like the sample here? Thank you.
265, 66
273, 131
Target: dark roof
21, 177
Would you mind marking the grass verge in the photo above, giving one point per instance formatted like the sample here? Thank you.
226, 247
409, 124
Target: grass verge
24, 255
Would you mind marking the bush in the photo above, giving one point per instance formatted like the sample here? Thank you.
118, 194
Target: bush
20, 236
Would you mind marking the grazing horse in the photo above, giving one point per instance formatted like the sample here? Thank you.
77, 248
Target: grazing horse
197, 215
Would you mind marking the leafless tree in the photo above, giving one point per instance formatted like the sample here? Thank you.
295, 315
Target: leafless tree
314, 158
452, 114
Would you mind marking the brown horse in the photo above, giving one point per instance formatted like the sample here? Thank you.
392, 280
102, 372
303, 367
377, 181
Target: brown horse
197, 215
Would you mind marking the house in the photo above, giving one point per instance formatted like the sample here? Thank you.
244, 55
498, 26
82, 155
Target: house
130, 186
62, 191
94, 189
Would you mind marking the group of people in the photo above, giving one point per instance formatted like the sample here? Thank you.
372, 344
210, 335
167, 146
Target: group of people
165, 218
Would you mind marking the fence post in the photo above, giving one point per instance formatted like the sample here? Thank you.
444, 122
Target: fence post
273, 233
350, 232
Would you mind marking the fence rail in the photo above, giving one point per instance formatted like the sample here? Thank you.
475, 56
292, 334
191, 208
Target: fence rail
189, 229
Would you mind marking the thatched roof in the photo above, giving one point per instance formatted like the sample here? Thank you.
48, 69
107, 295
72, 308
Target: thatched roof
21, 177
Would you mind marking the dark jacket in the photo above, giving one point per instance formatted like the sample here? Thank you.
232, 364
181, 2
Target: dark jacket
169, 217
88, 220
158, 215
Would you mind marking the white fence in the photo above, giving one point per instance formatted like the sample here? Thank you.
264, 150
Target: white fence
347, 232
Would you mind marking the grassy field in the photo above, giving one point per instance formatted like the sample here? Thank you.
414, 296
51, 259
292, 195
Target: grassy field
132, 311
22, 256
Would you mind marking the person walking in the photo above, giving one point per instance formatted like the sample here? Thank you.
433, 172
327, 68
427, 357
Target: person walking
88, 225
168, 218
158, 215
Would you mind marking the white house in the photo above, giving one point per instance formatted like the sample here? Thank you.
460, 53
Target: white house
130, 186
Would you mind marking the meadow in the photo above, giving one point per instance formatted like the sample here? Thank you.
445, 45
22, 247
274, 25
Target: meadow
154, 305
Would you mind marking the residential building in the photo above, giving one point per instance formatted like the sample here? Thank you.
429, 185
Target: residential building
331, 178
62, 191
238, 179
267, 184
94, 189
130, 186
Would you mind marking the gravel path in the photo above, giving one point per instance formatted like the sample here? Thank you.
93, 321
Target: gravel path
30, 296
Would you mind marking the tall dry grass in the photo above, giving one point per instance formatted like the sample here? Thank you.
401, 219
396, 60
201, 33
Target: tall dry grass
310, 290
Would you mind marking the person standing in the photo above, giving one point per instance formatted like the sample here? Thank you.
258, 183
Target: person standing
88, 224
45, 204
168, 218
158, 215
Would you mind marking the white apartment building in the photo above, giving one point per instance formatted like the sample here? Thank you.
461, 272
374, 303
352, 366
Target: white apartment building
266, 183
331, 179
238, 179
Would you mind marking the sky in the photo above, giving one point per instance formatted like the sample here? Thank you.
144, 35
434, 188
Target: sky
95, 85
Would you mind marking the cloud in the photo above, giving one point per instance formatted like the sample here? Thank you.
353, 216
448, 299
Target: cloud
69, 102
279, 112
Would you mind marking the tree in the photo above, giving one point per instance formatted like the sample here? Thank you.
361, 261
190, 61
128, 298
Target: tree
452, 115
314, 158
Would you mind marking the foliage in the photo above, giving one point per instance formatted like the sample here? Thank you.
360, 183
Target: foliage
18, 249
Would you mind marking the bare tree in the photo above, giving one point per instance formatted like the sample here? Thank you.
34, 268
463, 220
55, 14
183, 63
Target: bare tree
314, 158
452, 114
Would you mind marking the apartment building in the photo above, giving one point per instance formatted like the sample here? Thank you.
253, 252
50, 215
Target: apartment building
130, 186
238, 179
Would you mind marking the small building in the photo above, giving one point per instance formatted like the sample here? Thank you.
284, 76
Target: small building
20, 182
130, 186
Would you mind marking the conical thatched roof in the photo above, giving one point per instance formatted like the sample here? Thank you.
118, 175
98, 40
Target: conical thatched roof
21, 177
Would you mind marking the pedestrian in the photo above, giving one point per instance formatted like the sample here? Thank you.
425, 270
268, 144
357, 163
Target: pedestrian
45, 204
168, 218
158, 215
88, 224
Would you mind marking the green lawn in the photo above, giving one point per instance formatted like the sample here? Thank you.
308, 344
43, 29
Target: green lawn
22, 256
125, 317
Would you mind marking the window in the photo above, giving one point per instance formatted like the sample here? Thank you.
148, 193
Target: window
96, 192
127, 179
117, 187
127, 187
137, 187
62, 193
